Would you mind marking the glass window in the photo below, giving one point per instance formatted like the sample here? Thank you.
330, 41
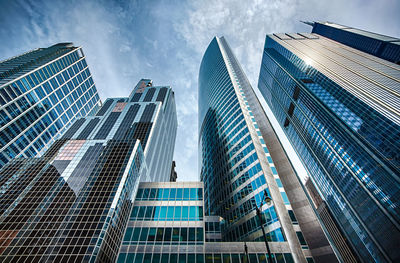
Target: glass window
288, 258
185, 211
136, 232
149, 212
173, 258
146, 193
200, 193
134, 212
164, 258
279, 258
226, 258
209, 258
166, 194
182, 258
128, 234
178, 213
192, 234
153, 193
163, 213
301, 238
192, 213
141, 212
139, 194
121, 258
156, 258
200, 208
143, 234
193, 193
160, 193
139, 258
152, 234
184, 234
130, 257
191, 258
172, 194
217, 258
156, 212
179, 194
167, 234
160, 233
235, 258
199, 234
175, 234
199, 258
186, 194
170, 213
147, 258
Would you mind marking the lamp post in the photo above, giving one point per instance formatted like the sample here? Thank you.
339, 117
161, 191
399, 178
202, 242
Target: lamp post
267, 200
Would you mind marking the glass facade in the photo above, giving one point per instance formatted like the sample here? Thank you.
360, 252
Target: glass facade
381, 46
73, 203
340, 107
235, 163
41, 93
172, 237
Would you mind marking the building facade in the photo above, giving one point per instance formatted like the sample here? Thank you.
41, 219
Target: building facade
168, 224
41, 93
381, 46
73, 203
340, 109
341, 244
235, 162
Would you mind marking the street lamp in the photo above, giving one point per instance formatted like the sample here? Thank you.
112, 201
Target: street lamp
268, 201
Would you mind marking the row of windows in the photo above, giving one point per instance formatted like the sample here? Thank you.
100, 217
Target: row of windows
167, 213
169, 194
164, 235
205, 258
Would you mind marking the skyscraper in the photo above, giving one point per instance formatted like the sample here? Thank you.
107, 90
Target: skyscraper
73, 203
237, 166
381, 46
41, 93
340, 109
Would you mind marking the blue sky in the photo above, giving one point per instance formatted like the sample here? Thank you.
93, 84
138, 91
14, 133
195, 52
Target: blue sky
125, 41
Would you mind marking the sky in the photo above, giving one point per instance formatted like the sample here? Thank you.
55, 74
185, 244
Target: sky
125, 41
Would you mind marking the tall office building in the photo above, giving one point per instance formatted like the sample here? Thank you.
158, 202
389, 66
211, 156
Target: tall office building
340, 109
381, 46
168, 224
73, 204
41, 93
237, 165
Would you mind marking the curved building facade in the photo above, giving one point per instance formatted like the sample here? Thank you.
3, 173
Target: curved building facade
236, 166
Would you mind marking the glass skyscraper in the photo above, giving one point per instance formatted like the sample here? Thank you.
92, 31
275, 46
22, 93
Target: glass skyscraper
237, 166
73, 203
41, 93
381, 46
340, 108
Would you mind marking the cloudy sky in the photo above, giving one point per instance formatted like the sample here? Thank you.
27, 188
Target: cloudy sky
125, 41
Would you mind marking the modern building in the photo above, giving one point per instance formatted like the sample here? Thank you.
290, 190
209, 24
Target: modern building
340, 109
73, 204
41, 93
237, 165
381, 46
341, 244
155, 126
168, 224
